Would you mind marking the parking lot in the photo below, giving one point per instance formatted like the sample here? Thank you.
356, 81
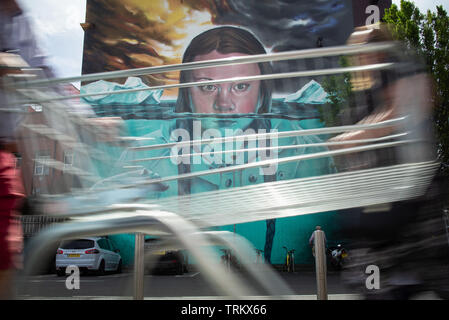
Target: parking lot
190, 285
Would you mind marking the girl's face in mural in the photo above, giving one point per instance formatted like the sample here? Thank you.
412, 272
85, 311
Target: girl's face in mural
232, 97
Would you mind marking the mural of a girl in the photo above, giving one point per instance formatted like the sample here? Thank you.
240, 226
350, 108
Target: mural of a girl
247, 97
160, 28
238, 106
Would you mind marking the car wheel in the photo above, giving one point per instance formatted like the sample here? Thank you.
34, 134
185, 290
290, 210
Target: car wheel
443, 294
119, 267
101, 268
180, 269
60, 272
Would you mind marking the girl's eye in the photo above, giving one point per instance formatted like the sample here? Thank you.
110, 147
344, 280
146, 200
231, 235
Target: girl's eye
240, 87
208, 88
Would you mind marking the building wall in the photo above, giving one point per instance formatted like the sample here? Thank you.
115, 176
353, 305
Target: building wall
128, 34
39, 178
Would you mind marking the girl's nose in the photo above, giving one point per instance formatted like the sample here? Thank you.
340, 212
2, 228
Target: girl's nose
223, 101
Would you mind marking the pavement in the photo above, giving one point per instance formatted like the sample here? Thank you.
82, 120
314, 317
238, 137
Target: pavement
189, 286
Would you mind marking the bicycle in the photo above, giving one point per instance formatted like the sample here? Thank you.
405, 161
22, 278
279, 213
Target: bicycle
289, 260
228, 259
259, 256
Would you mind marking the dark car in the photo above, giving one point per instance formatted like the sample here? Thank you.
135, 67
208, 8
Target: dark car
163, 260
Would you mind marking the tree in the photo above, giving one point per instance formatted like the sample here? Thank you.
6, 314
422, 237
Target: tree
338, 89
429, 35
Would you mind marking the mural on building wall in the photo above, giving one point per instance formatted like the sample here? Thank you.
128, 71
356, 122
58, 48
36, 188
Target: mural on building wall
132, 33
127, 34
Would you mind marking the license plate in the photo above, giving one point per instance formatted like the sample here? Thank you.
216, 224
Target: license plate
344, 255
73, 255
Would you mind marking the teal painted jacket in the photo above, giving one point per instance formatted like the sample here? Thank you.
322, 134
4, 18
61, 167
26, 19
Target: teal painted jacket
158, 163
163, 163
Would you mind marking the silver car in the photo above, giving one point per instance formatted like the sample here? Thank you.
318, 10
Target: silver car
88, 254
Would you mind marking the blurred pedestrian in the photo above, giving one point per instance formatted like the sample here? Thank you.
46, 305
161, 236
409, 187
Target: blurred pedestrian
11, 194
312, 240
18, 50
405, 239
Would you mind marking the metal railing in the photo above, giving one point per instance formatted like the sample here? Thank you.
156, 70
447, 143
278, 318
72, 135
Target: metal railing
145, 219
320, 264
33, 224
279, 56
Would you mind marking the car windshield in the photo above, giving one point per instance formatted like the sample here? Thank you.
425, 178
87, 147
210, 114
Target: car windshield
77, 244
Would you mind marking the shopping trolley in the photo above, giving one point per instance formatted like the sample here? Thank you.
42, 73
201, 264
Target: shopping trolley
99, 191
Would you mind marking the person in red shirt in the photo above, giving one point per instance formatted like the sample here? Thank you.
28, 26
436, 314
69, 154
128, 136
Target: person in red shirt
11, 194
11, 188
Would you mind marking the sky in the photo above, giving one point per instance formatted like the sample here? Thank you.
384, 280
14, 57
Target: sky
57, 27
424, 5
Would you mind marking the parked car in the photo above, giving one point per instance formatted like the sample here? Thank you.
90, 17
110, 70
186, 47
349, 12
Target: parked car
170, 260
89, 254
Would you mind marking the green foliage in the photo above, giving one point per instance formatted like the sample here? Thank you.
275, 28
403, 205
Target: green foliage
429, 34
338, 89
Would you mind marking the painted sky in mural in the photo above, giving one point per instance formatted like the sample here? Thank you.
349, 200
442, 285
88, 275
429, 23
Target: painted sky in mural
56, 24
136, 33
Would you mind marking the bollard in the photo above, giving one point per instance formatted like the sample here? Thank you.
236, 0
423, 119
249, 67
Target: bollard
139, 266
320, 265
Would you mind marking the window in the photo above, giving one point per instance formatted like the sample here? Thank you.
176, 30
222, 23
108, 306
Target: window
68, 159
77, 244
111, 246
18, 162
104, 244
36, 107
36, 191
40, 169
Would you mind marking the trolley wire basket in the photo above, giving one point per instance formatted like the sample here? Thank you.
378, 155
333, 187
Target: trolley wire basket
286, 163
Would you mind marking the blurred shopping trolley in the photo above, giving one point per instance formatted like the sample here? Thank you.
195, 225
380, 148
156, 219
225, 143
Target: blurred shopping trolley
377, 150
